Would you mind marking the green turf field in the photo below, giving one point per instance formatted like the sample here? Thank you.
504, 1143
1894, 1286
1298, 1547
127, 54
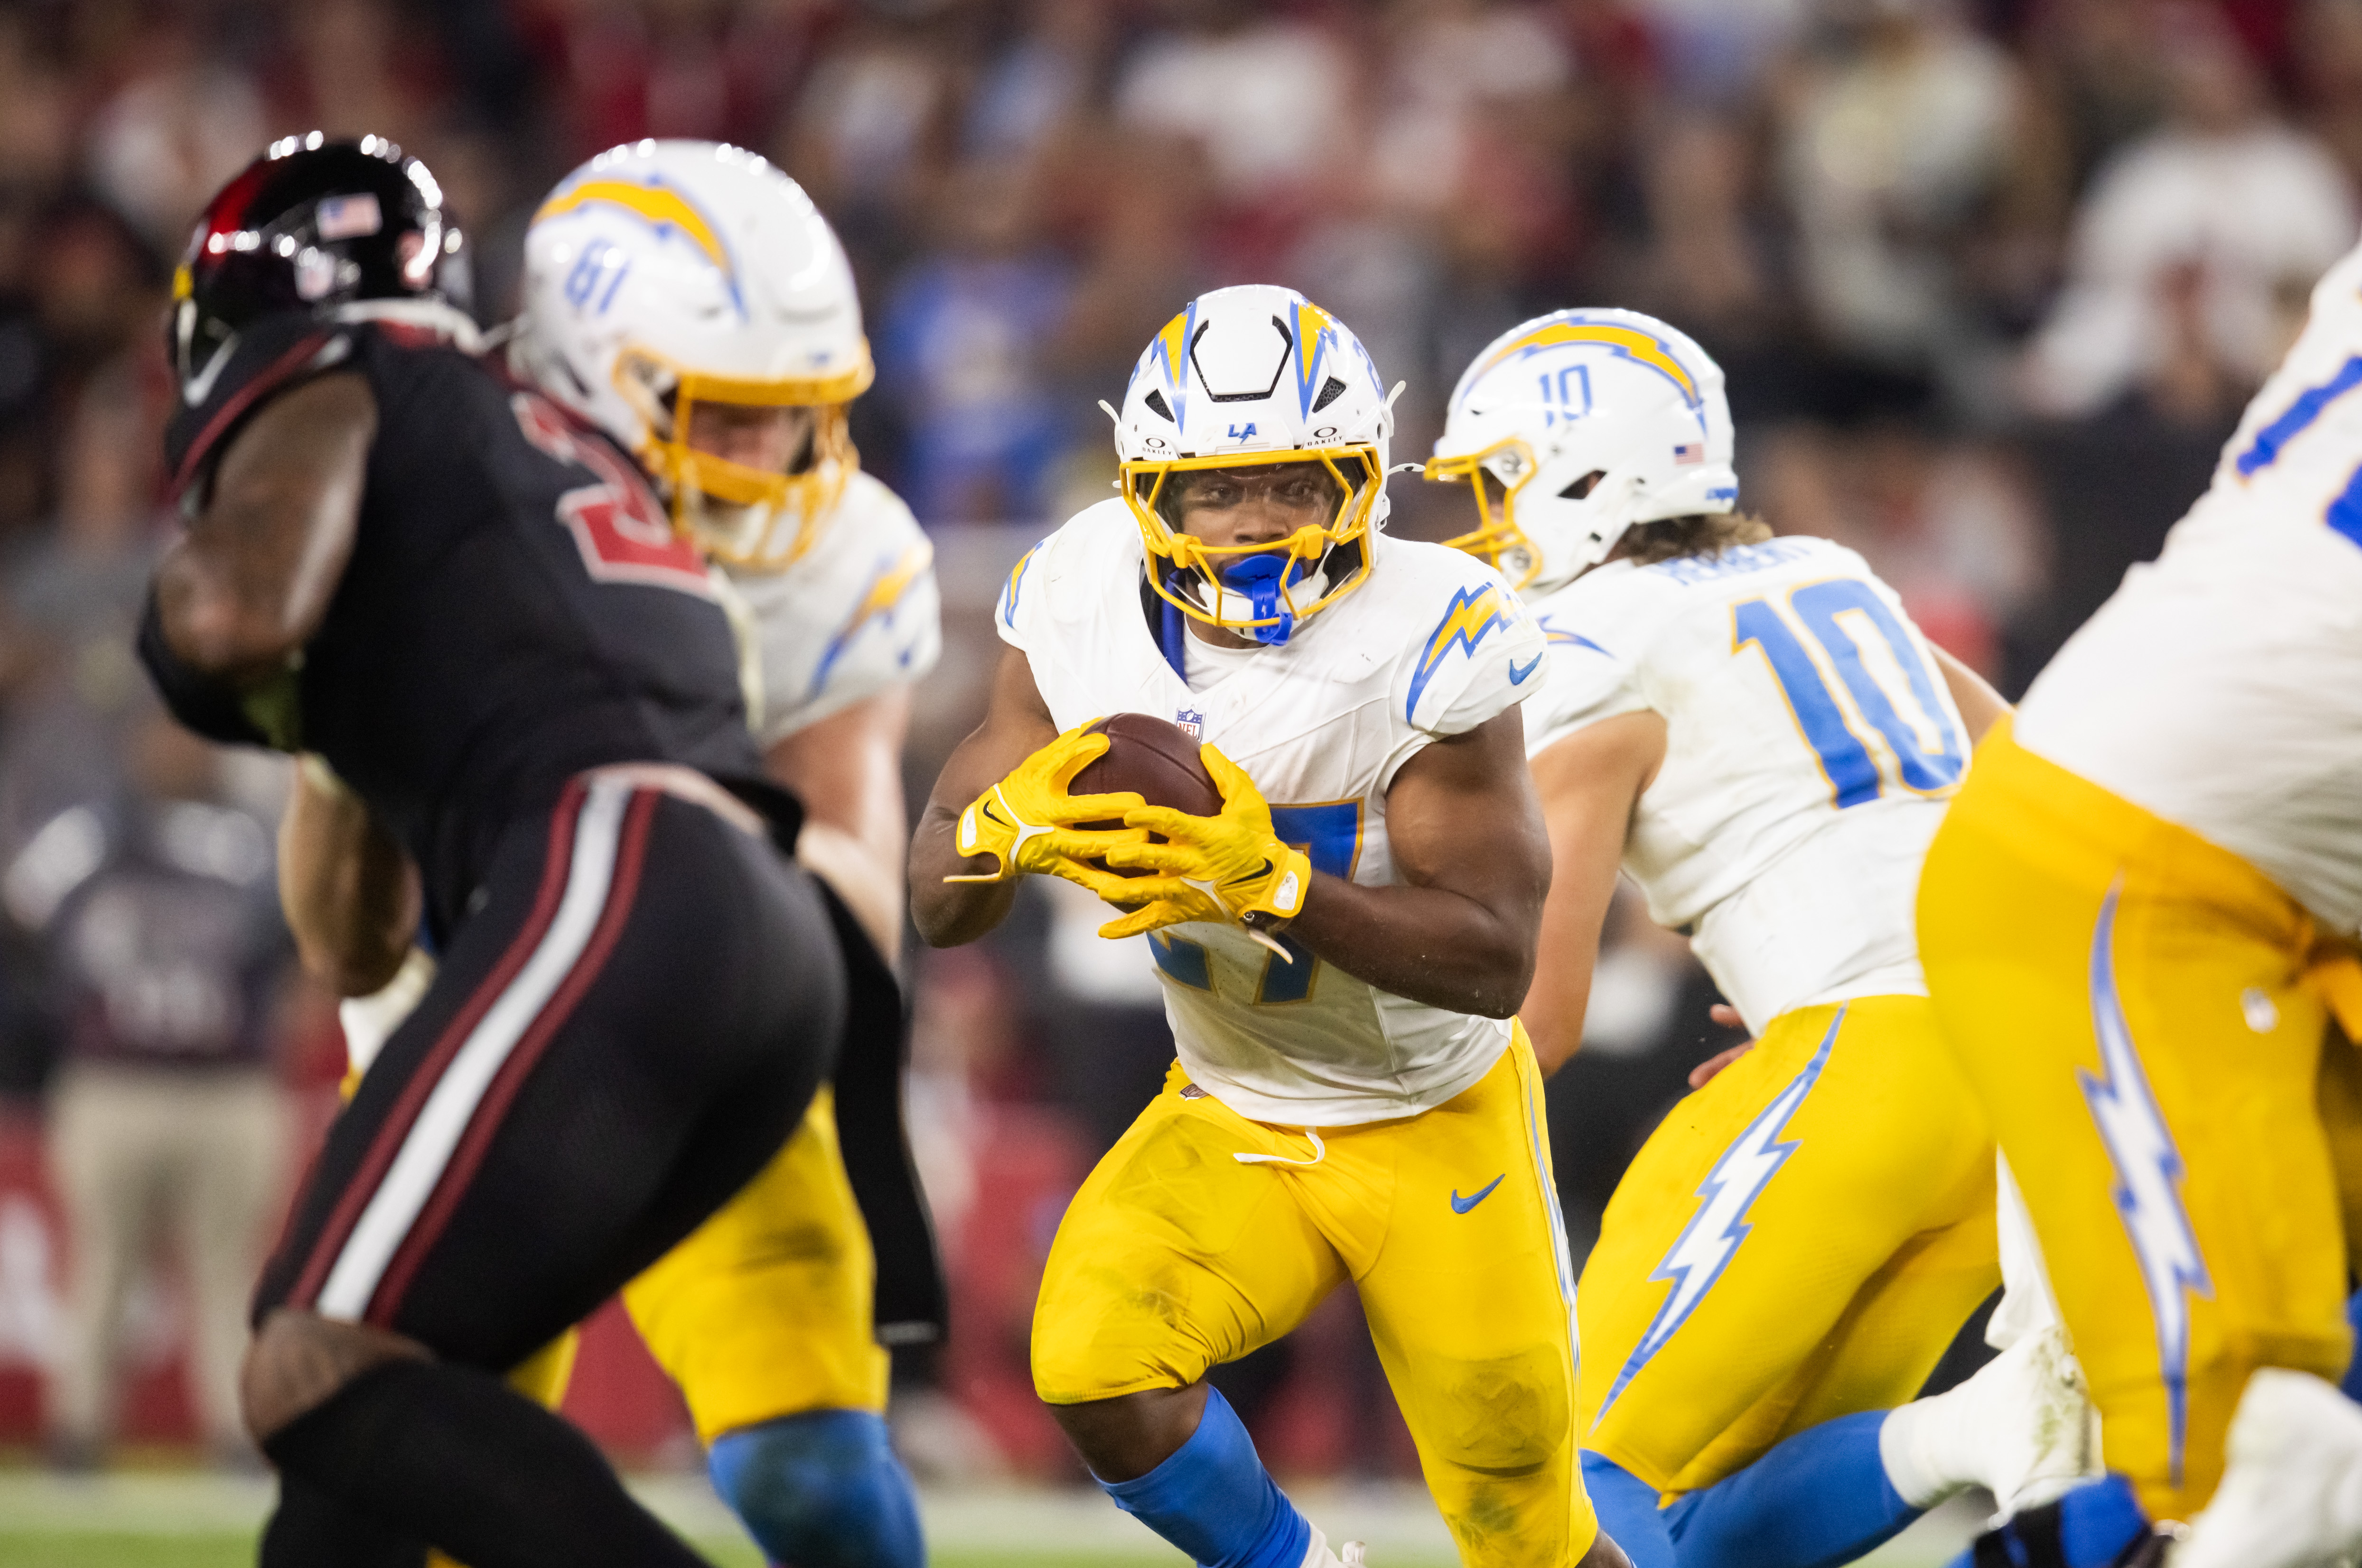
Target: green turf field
165, 1518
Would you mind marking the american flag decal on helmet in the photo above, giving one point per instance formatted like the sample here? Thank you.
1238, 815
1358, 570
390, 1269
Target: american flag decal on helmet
1687, 452
348, 217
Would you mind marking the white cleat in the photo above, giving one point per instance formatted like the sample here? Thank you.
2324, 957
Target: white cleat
2291, 1493
2022, 1428
1320, 1556
2042, 1433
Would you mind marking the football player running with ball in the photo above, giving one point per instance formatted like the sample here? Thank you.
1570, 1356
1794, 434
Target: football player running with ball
2138, 919
686, 300
1754, 730
1342, 947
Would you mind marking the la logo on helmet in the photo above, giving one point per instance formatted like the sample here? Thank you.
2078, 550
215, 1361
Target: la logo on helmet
1238, 435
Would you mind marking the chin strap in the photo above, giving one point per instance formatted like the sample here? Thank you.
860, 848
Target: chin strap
1174, 631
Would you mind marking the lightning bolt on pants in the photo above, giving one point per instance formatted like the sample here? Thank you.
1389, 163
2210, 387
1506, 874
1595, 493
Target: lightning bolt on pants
2132, 1006
1798, 1241
1174, 1257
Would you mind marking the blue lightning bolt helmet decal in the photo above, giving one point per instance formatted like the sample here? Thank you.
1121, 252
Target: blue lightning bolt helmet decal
1166, 358
1711, 1239
2148, 1177
1315, 333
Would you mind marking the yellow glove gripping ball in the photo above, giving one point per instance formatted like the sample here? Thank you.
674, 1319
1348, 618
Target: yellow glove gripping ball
1222, 867
1027, 820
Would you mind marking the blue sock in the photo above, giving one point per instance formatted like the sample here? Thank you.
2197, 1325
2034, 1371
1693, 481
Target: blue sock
821, 1490
1629, 1513
2352, 1382
1821, 1498
1215, 1501
2092, 1525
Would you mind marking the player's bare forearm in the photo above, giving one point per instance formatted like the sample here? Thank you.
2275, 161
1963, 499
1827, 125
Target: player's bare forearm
1428, 944
1589, 784
1460, 930
847, 770
1979, 704
1017, 723
251, 581
951, 915
348, 891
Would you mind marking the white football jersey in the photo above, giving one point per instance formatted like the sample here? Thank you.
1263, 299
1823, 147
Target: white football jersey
1810, 743
1432, 644
856, 614
2221, 687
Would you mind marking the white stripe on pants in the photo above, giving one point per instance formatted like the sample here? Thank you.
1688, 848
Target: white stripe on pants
443, 1121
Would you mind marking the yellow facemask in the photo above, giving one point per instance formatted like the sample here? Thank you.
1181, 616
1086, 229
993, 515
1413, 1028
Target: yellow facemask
778, 516
1170, 550
1498, 541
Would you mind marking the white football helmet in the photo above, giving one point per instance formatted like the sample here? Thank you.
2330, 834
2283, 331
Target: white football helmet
1244, 377
1572, 394
662, 274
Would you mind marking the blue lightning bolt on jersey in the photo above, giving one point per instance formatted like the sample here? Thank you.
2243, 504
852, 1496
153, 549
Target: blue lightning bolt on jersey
2148, 1178
1713, 1236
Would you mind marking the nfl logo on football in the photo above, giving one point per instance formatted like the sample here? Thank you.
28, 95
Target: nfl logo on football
1190, 723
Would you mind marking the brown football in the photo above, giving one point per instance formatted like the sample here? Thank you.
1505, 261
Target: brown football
1154, 760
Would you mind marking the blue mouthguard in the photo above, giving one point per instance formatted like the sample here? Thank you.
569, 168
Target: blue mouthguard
1262, 578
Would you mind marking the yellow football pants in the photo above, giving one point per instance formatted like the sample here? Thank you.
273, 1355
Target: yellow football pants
1174, 1257
1797, 1240
2134, 1009
764, 1309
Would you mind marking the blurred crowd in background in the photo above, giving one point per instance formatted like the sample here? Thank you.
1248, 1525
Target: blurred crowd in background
1990, 280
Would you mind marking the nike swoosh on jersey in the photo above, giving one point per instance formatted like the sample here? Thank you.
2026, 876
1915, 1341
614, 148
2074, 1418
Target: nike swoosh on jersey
1462, 1205
1516, 675
201, 385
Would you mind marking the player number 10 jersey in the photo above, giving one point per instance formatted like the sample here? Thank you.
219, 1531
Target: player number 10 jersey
1811, 742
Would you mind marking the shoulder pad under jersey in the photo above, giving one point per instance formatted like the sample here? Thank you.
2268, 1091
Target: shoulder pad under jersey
265, 357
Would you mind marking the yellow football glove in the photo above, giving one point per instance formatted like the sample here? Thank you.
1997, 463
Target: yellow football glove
1026, 821
1222, 867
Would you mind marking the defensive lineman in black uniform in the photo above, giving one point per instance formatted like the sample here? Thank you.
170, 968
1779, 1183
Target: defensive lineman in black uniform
471, 607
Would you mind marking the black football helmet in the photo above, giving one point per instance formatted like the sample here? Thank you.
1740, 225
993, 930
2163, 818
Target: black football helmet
310, 226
